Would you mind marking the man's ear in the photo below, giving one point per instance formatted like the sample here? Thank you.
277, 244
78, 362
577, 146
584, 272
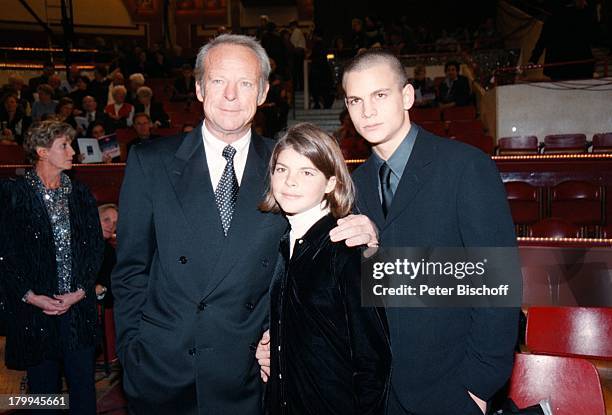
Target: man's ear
199, 91
408, 96
261, 98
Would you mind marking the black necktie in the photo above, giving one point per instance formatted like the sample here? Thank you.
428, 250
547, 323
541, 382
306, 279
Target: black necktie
385, 187
227, 190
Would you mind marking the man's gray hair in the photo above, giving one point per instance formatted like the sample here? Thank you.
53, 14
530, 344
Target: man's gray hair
239, 40
373, 57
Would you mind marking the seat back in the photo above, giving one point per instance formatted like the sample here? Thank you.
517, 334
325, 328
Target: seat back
572, 385
602, 143
554, 228
578, 202
425, 114
525, 203
465, 129
565, 143
518, 145
570, 331
459, 113
12, 154
435, 127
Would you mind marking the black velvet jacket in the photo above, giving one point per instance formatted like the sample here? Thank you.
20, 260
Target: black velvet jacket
27, 262
329, 354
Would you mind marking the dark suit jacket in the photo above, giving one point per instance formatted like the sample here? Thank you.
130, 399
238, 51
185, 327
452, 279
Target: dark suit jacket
191, 304
450, 195
459, 92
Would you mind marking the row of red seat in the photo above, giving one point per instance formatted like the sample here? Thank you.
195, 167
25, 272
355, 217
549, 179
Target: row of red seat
580, 203
436, 114
555, 144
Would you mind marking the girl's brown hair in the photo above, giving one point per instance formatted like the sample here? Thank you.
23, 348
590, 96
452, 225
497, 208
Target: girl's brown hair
322, 150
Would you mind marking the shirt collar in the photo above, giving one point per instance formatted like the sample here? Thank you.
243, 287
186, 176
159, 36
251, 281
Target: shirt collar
218, 145
398, 160
301, 222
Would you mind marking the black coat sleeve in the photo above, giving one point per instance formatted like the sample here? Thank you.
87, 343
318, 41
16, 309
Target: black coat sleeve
370, 349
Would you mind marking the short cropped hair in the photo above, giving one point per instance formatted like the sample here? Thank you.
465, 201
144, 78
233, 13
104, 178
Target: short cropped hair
43, 134
143, 115
103, 208
376, 56
237, 40
323, 151
45, 89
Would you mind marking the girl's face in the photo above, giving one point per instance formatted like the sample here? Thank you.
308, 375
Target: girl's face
297, 185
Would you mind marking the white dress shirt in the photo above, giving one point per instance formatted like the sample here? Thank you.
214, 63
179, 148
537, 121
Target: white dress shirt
214, 155
302, 222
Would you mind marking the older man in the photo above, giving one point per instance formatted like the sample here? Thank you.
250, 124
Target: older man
195, 256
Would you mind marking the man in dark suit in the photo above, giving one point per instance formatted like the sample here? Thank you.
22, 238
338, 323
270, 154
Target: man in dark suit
455, 88
426, 191
196, 256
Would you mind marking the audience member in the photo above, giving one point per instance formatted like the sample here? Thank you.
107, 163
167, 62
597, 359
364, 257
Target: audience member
136, 80
455, 89
56, 82
142, 126
82, 90
45, 103
99, 86
13, 120
109, 214
120, 113
184, 85
47, 71
117, 79
353, 145
91, 113
358, 39
298, 40
424, 88
153, 109
63, 110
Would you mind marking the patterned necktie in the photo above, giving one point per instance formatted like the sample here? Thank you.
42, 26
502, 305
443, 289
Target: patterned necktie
227, 190
385, 187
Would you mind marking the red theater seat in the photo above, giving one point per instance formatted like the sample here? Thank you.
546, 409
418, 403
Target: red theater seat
570, 331
167, 132
525, 203
478, 140
435, 127
12, 154
463, 129
565, 143
602, 143
425, 114
571, 385
554, 228
459, 113
519, 145
578, 202
125, 135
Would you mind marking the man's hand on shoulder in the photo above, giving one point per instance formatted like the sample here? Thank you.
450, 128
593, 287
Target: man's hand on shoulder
355, 230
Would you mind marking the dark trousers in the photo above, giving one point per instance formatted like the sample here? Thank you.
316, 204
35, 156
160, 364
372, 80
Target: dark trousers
79, 369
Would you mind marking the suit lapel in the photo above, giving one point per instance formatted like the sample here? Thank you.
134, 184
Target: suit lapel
415, 175
246, 215
188, 172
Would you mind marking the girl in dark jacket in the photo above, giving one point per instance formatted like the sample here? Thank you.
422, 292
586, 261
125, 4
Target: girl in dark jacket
329, 355
50, 252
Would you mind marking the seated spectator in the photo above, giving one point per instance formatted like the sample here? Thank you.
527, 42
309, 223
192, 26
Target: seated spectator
64, 110
45, 104
16, 86
70, 84
142, 126
455, 89
14, 121
424, 88
109, 214
353, 146
184, 85
56, 82
155, 110
136, 80
158, 67
98, 88
117, 79
82, 90
276, 106
91, 113
48, 70
120, 113
447, 43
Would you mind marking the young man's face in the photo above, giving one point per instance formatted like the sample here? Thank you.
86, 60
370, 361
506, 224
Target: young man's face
378, 105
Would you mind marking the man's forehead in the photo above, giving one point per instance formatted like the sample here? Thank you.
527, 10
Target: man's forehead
368, 80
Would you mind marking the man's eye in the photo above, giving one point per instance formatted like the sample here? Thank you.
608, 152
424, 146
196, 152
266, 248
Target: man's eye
353, 101
247, 84
381, 95
279, 170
